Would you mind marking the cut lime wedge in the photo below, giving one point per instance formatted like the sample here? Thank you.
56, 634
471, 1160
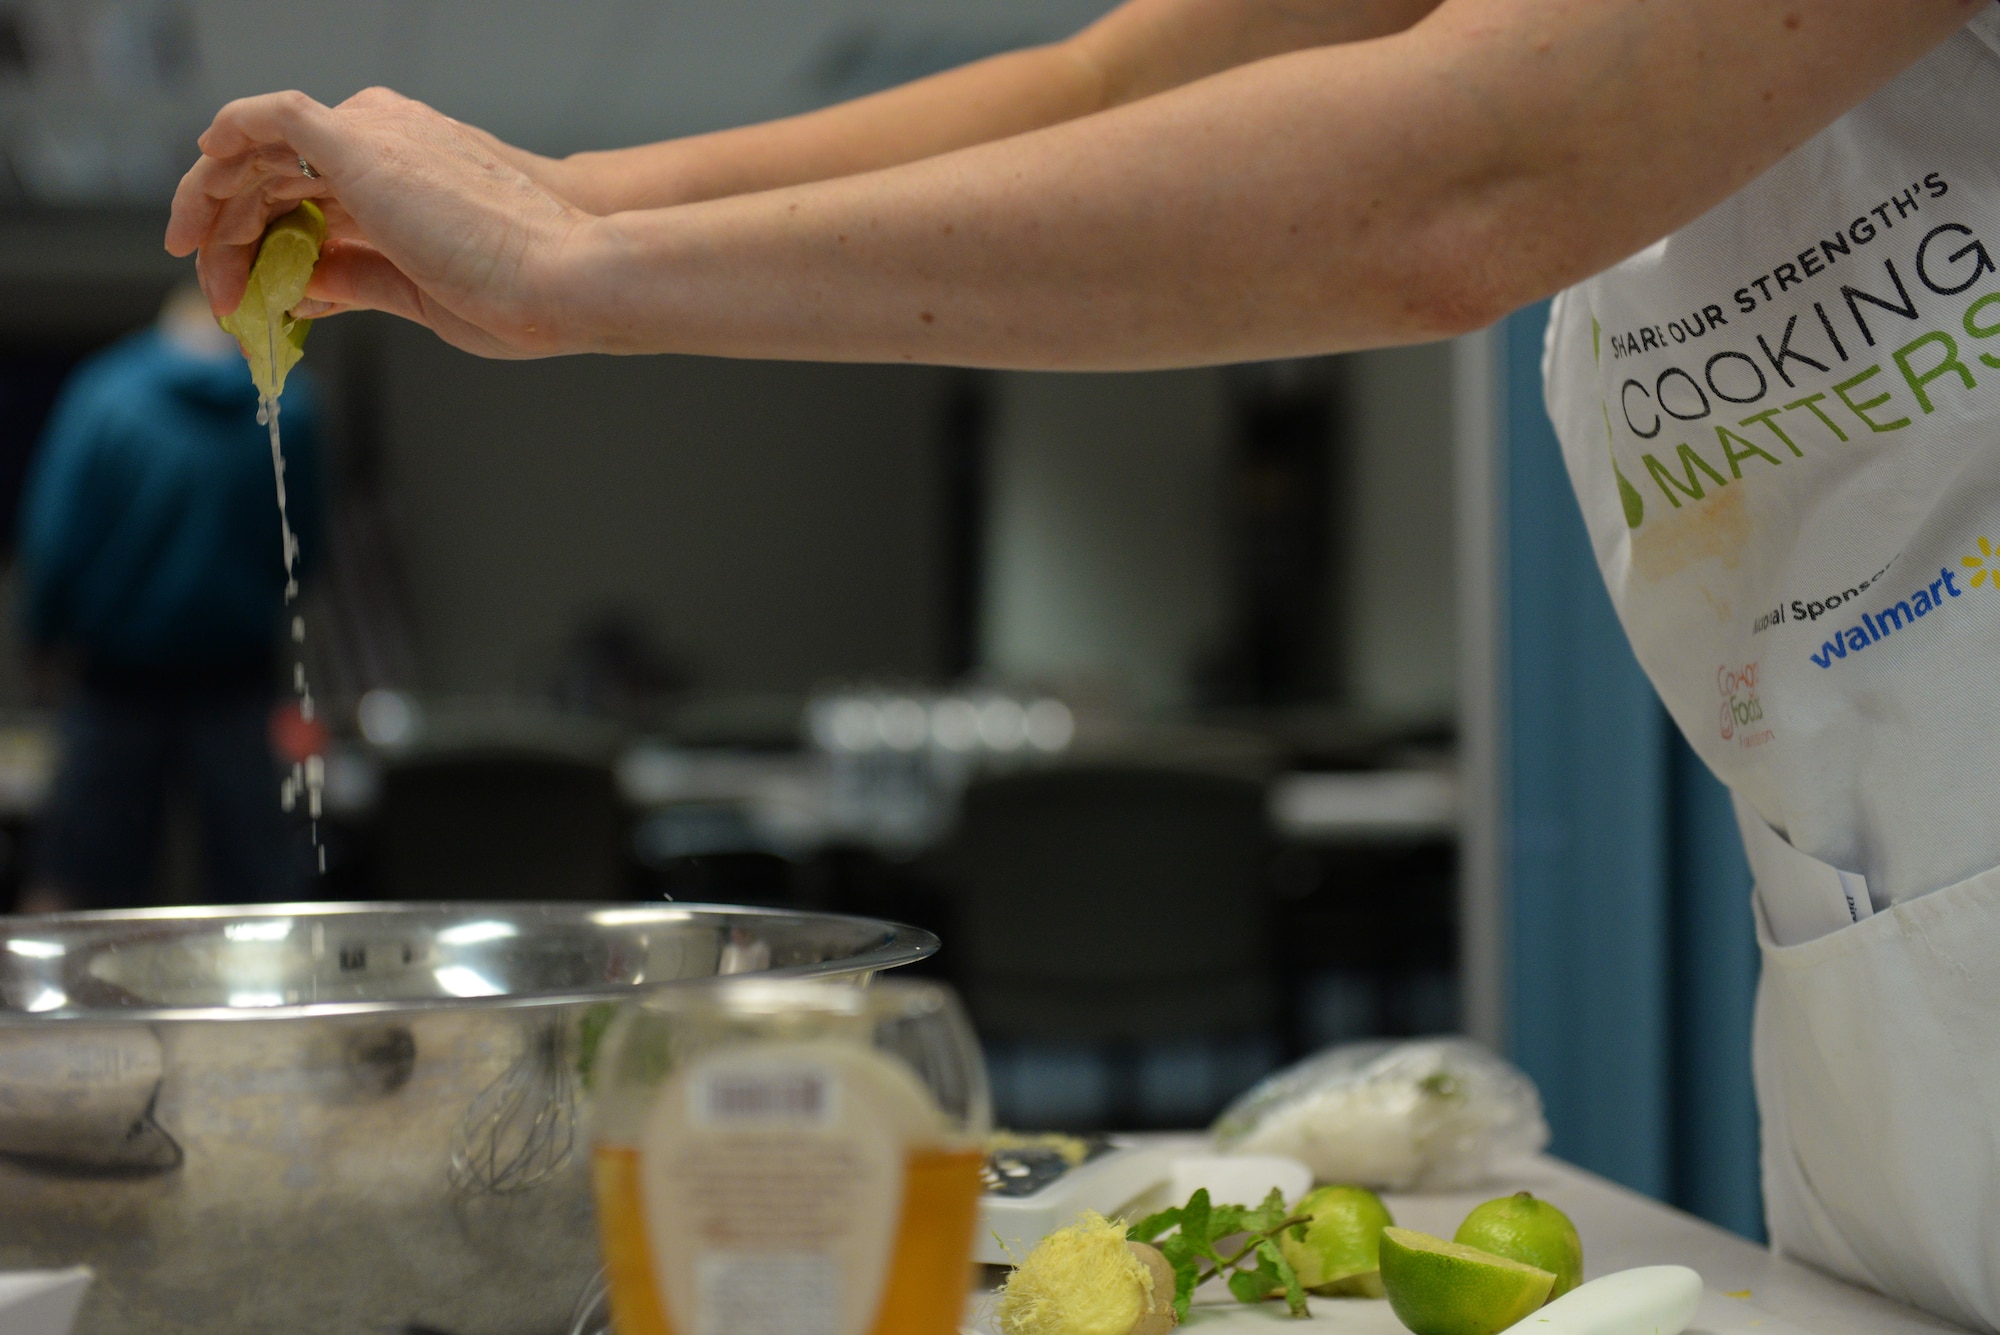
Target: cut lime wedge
1445, 1288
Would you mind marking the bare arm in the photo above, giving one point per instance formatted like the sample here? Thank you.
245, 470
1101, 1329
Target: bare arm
1376, 192
1332, 198
1140, 48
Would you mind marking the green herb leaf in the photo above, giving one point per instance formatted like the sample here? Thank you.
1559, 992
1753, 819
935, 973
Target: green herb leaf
1153, 1225
1180, 1250
1256, 1271
1185, 1279
1266, 1216
1227, 1219
1252, 1286
589, 1028
1271, 1259
1198, 1220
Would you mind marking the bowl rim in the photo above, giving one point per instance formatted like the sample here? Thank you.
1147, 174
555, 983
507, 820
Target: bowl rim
900, 944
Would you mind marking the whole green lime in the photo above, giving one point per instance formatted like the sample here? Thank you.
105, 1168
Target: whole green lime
1444, 1288
1338, 1254
1524, 1228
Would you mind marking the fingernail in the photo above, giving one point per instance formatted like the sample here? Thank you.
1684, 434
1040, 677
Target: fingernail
310, 309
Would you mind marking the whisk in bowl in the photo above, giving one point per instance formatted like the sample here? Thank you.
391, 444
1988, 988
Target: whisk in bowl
592, 1314
521, 1130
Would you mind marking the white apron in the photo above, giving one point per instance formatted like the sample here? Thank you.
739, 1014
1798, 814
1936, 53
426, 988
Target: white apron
1783, 424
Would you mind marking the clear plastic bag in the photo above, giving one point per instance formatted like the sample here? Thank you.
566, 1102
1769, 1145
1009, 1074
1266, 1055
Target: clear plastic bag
1432, 1114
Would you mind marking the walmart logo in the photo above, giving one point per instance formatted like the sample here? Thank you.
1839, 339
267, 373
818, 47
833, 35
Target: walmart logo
1929, 600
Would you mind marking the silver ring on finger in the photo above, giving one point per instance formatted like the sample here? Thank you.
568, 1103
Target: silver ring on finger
307, 170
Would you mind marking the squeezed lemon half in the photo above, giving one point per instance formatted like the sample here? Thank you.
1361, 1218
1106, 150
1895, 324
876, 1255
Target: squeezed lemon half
262, 322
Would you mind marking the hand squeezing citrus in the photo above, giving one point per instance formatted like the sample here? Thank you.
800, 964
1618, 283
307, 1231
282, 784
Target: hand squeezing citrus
262, 322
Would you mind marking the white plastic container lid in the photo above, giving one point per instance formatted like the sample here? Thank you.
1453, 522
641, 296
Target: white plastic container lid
41, 1302
1239, 1179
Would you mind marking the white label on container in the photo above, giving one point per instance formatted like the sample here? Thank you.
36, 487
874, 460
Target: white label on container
768, 1293
770, 1163
778, 1096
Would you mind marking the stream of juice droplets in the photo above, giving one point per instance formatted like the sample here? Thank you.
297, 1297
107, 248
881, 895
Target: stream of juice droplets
308, 776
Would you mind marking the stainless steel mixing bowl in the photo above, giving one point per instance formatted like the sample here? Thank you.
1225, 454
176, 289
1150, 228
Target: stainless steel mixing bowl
357, 1118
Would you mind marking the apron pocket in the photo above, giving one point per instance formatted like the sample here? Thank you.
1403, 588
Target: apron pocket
1877, 1054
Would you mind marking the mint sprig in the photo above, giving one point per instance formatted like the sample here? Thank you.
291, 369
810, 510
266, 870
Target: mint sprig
1189, 1236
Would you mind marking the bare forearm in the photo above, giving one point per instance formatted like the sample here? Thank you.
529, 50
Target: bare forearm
1375, 193
1141, 48
1183, 229
991, 99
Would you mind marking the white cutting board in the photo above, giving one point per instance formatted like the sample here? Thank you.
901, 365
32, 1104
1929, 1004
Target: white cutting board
1216, 1313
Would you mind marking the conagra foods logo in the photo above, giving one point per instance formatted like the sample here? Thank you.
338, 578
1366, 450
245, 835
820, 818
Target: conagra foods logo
1742, 711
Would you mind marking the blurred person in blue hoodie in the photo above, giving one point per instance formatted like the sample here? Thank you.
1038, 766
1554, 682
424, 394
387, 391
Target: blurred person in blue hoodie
153, 581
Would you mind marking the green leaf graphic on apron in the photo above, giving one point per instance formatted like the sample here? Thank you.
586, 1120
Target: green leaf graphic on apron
1635, 507
1628, 495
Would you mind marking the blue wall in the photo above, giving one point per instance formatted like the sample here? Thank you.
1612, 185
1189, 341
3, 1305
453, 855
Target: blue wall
1631, 956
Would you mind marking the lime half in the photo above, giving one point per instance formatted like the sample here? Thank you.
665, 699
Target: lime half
1445, 1288
262, 322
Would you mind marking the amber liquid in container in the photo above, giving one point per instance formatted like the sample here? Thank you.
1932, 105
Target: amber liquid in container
930, 1268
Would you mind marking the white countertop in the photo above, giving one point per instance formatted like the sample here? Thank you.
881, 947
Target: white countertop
1750, 1290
